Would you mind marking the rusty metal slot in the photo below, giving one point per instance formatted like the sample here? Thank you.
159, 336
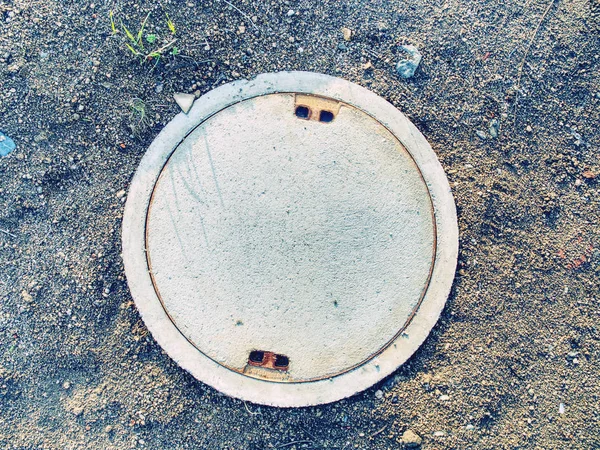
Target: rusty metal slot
325, 116
268, 360
303, 112
256, 357
313, 107
282, 362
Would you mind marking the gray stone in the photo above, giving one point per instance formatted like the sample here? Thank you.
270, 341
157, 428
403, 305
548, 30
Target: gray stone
494, 127
185, 101
40, 137
406, 67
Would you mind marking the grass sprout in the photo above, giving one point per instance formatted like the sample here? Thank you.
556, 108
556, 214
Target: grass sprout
112, 23
133, 40
139, 119
170, 24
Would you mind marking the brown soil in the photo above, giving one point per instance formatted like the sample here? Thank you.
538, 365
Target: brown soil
520, 334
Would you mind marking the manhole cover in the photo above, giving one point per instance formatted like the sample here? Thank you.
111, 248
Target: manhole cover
292, 240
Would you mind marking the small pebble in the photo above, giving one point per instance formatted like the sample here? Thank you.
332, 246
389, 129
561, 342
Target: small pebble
291, 12
481, 134
185, 101
406, 68
411, 439
66, 385
347, 33
27, 296
379, 394
494, 127
528, 128
40, 137
444, 397
561, 408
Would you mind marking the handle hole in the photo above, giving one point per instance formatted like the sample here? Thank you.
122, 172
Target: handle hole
302, 112
325, 116
281, 361
268, 360
257, 357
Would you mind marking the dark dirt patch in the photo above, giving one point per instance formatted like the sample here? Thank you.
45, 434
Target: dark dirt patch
519, 335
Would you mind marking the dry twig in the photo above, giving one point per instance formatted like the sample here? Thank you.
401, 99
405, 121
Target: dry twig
303, 441
7, 232
379, 431
243, 14
248, 409
520, 71
535, 32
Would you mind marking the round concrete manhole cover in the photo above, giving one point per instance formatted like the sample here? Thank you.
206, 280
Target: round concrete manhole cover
292, 240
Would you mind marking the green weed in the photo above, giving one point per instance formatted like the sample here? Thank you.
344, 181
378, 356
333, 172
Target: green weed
139, 119
170, 24
112, 24
133, 41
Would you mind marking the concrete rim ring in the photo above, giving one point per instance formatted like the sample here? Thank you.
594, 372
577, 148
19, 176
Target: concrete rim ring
236, 384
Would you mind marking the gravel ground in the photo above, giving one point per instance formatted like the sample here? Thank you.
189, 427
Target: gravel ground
514, 361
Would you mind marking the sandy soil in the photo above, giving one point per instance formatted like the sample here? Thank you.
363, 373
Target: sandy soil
519, 336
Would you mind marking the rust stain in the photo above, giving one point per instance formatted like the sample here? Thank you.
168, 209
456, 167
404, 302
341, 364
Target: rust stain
268, 360
317, 105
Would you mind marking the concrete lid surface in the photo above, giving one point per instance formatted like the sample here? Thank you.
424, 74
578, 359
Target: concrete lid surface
297, 217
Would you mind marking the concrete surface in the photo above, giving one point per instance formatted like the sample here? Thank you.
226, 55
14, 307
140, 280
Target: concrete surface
312, 240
